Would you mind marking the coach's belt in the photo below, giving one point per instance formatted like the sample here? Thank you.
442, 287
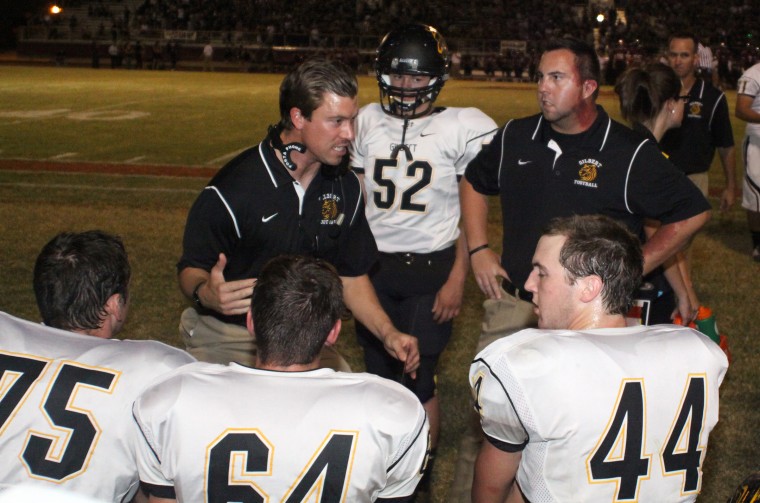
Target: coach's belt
516, 292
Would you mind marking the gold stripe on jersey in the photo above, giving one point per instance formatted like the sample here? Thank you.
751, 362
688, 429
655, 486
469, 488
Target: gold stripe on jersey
317, 485
11, 378
65, 440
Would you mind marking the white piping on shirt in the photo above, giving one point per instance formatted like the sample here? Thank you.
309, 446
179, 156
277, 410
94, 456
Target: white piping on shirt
266, 164
229, 210
628, 175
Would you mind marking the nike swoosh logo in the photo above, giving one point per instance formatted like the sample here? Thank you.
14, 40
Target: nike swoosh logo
270, 217
422, 135
523, 163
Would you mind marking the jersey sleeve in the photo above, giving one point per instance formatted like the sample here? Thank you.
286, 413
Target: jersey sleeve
409, 458
749, 83
358, 148
499, 419
210, 229
149, 413
477, 129
483, 171
658, 190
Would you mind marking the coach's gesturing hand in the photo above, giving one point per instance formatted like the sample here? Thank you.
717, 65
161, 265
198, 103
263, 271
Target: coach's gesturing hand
213, 292
226, 297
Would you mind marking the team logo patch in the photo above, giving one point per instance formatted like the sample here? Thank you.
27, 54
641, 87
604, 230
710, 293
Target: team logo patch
695, 109
329, 209
588, 172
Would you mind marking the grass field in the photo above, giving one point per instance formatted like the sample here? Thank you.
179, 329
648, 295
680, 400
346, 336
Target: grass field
200, 120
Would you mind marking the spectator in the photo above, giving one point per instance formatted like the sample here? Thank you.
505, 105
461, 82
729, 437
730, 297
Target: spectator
208, 57
650, 101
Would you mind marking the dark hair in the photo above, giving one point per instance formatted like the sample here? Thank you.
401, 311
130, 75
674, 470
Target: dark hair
295, 303
74, 276
598, 245
586, 59
644, 91
305, 86
685, 34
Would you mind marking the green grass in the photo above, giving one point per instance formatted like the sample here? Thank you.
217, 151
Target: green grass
196, 119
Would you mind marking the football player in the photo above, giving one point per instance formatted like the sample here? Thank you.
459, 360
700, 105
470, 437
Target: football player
585, 408
285, 430
68, 388
411, 154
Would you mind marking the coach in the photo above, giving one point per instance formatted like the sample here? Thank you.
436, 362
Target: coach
291, 194
569, 159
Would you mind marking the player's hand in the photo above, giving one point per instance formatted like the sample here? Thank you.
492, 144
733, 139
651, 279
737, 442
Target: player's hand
486, 266
226, 297
404, 348
727, 199
448, 301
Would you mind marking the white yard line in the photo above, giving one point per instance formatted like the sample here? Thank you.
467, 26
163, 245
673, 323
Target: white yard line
63, 156
225, 157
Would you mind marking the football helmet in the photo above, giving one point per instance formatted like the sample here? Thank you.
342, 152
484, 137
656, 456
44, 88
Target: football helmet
412, 49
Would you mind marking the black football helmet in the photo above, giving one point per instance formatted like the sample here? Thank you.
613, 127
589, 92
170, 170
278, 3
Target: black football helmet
412, 49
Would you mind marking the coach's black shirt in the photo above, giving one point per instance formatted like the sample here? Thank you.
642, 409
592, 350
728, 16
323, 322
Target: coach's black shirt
706, 124
609, 169
252, 212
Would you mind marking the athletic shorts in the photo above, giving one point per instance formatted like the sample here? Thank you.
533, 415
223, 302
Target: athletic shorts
751, 186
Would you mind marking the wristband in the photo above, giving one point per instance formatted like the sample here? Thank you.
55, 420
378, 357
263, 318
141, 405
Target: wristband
477, 249
196, 298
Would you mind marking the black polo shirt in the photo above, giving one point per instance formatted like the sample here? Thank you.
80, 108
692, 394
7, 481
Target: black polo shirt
251, 211
609, 169
706, 125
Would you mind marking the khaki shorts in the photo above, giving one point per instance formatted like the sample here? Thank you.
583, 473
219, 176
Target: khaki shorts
504, 317
211, 340
701, 180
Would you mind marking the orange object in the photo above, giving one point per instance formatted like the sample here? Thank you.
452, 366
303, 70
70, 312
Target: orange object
724, 347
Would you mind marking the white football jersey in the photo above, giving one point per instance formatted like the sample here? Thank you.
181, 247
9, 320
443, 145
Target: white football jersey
66, 407
749, 84
233, 433
413, 200
602, 415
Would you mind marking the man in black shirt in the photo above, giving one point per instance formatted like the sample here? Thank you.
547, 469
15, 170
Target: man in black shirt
569, 159
291, 194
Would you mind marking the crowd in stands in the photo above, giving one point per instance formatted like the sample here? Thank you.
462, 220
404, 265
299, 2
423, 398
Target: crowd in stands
630, 31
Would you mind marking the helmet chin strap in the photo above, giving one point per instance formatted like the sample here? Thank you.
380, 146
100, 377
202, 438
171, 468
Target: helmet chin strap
274, 137
402, 145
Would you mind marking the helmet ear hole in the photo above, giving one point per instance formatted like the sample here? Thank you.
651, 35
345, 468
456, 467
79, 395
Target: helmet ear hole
413, 49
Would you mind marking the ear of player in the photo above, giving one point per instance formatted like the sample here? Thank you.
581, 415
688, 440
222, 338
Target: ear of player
413, 49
